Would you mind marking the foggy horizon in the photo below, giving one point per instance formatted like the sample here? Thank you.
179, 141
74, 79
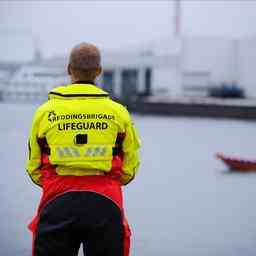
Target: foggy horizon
59, 25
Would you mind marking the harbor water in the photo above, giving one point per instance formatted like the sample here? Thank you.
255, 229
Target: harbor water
183, 201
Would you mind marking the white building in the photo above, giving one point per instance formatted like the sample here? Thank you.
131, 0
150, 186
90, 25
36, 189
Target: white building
211, 60
172, 67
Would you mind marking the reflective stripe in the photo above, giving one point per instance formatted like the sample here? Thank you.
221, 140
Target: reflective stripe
86, 152
67, 152
98, 151
75, 152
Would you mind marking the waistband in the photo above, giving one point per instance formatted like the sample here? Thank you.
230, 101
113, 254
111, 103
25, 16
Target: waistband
65, 170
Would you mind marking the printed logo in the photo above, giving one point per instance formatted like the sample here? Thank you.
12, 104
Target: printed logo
52, 116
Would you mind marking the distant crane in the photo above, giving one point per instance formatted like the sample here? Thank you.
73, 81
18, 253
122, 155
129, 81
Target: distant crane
177, 17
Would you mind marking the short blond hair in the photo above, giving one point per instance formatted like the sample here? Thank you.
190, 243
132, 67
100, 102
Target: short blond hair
85, 61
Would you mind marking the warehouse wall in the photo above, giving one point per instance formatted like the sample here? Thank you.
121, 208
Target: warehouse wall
209, 54
225, 60
247, 65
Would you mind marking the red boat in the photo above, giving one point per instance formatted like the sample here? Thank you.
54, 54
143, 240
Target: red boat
236, 164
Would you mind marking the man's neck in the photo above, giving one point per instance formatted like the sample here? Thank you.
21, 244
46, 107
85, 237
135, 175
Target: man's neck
83, 82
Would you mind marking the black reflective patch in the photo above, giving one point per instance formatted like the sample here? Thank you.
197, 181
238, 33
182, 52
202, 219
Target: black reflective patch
81, 139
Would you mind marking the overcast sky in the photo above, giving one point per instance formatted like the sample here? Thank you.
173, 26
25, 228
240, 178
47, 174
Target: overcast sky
115, 24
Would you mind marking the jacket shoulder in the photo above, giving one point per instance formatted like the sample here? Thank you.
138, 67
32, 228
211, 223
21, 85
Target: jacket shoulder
59, 88
120, 109
42, 109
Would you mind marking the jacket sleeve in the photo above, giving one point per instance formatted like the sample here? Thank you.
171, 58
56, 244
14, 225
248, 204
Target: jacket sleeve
34, 152
130, 147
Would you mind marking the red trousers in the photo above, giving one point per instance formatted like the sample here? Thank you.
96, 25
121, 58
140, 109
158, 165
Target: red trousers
54, 185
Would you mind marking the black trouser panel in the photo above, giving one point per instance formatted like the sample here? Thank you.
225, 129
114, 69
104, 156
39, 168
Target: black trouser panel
80, 217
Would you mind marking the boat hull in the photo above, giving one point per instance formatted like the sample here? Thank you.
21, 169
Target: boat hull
236, 164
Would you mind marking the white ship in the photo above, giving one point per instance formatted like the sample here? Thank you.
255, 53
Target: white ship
30, 82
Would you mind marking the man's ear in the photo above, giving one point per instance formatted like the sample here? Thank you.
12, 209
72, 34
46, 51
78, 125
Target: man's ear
69, 69
99, 71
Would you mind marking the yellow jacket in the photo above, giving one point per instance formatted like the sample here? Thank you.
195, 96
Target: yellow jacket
80, 124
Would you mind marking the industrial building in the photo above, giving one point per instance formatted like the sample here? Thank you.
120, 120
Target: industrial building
174, 67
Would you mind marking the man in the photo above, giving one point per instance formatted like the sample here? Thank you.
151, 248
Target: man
82, 148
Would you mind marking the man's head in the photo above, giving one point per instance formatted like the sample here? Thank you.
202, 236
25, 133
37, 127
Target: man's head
84, 63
